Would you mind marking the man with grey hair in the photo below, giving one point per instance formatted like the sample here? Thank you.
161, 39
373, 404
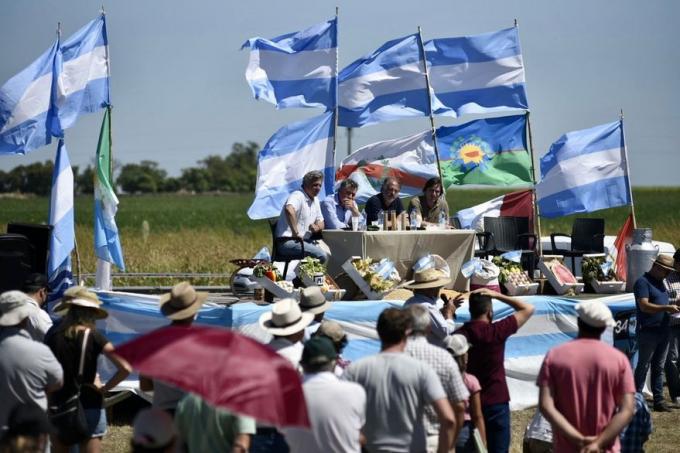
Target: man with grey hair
446, 368
339, 208
387, 200
301, 218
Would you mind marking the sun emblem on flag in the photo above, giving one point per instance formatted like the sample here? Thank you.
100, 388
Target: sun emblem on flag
470, 152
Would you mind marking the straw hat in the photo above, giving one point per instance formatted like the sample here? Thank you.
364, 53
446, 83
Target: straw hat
82, 297
428, 278
182, 302
313, 301
664, 261
285, 318
15, 306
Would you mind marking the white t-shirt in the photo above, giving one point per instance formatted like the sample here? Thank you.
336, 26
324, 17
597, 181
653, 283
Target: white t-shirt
337, 411
291, 351
398, 388
307, 211
39, 322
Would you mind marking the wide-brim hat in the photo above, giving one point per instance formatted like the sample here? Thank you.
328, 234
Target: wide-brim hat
15, 306
428, 278
84, 297
664, 261
313, 301
182, 302
285, 318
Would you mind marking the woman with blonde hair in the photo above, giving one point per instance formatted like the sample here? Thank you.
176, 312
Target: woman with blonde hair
77, 344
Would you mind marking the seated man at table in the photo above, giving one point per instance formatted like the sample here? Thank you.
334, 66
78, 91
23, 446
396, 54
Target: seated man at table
339, 208
387, 200
301, 217
431, 203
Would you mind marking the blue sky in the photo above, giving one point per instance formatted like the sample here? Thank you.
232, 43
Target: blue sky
179, 91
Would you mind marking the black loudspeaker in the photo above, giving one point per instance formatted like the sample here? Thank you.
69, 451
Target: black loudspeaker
16, 261
39, 237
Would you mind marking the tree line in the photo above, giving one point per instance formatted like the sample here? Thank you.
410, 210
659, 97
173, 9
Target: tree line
235, 172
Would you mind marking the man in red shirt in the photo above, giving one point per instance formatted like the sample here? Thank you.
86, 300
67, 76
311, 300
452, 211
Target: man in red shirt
487, 357
586, 387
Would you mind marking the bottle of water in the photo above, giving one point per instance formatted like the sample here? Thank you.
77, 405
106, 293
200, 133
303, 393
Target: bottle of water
380, 220
443, 221
413, 216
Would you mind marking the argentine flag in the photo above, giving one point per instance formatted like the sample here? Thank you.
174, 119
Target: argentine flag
61, 218
291, 152
297, 69
386, 85
25, 99
82, 68
477, 74
584, 171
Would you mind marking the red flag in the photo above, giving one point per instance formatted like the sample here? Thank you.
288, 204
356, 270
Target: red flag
516, 204
625, 237
225, 368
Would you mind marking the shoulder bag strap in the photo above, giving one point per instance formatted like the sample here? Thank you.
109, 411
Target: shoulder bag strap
81, 363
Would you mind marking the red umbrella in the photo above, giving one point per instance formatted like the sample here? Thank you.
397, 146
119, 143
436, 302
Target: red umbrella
225, 368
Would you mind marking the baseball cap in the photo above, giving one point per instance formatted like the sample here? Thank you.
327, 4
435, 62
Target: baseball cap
595, 314
317, 351
34, 282
457, 344
153, 428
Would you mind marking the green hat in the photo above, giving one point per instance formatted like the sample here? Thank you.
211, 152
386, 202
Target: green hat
317, 351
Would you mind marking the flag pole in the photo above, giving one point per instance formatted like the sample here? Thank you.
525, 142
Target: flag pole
335, 119
625, 157
429, 102
537, 218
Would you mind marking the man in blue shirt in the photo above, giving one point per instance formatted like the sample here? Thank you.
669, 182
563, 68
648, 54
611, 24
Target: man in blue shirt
653, 331
338, 209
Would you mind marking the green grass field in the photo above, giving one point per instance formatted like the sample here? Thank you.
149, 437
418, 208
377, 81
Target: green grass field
201, 233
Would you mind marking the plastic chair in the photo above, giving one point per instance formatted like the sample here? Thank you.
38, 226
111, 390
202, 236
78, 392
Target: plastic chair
276, 255
505, 234
587, 236
16, 261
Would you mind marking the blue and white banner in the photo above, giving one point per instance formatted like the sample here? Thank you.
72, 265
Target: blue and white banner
25, 99
82, 68
61, 218
553, 323
477, 74
291, 152
297, 69
386, 85
584, 171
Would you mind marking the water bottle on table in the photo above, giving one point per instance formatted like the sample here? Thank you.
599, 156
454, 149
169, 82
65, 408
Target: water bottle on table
443, 221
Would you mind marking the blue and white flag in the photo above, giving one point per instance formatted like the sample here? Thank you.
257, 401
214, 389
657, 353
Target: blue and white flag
297, 69
291, 152
386, 85
25, 100
477, 74
584, 171
61, 219
82, 69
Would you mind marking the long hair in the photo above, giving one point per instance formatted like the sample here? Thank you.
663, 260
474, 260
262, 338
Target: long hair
77, 316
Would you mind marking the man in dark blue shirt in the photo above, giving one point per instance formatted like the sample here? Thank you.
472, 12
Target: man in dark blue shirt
387, 200
653, 331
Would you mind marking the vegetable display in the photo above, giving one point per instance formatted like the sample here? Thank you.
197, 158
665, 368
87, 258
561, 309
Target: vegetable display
591, 269
310, 266
511, 272
266, 270
368, 269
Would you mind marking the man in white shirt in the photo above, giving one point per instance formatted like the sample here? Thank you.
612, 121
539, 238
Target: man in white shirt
336, 409
301, 218
39, 322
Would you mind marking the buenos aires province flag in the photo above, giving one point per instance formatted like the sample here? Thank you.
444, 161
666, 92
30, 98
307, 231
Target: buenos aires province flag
584, 171
106, 240
409, 159
489, 151
297, 69
291, 152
